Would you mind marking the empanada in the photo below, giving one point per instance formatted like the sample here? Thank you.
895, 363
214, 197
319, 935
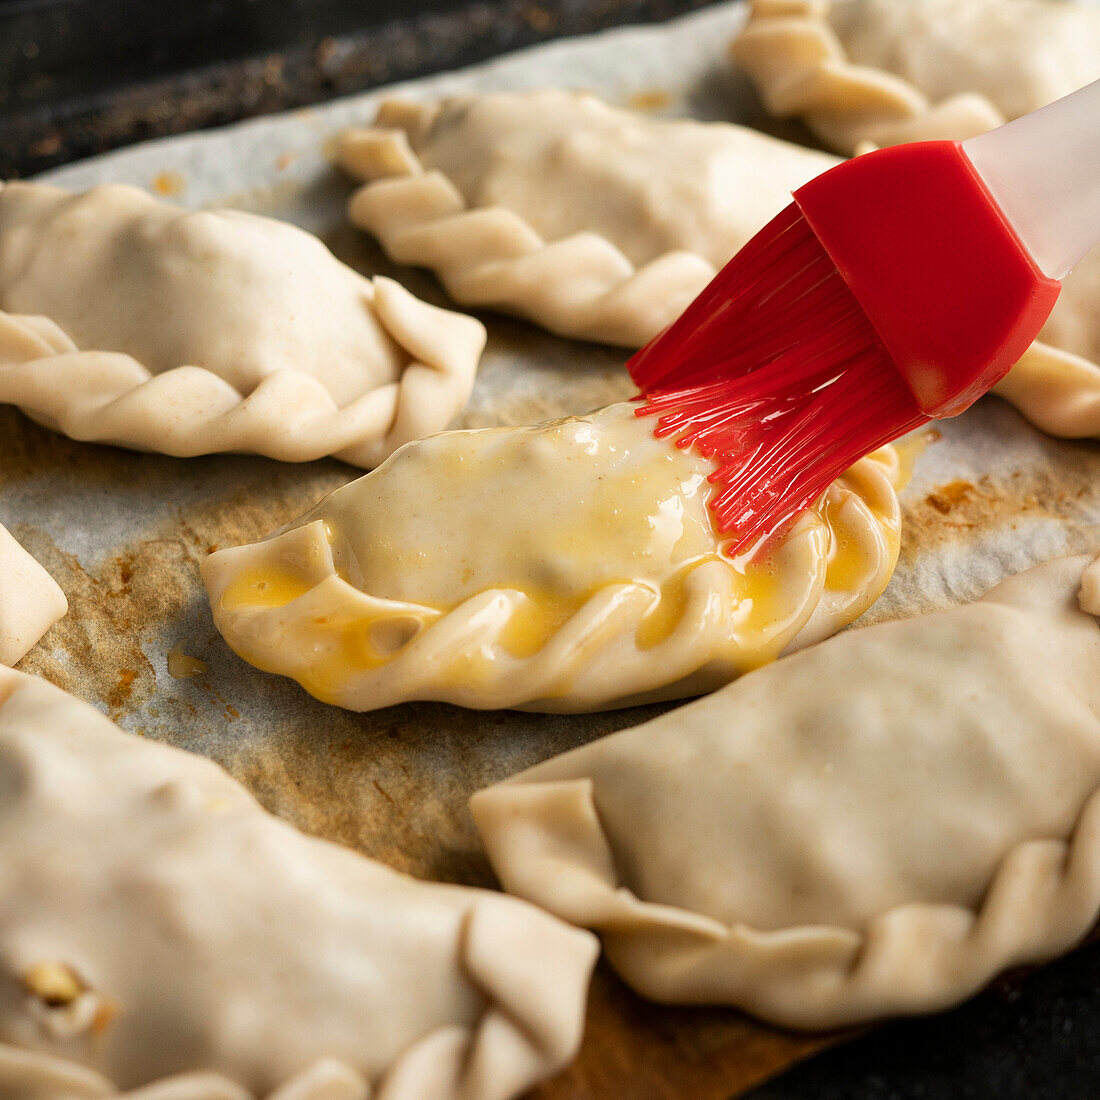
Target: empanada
877, 825
30, 600
127, 320
884, 72
156, 921
593, 221
570, 566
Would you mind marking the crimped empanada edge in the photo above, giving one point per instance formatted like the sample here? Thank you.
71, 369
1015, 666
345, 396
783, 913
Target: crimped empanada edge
546, 844
912, 959
591, 662
109, 397
582, 286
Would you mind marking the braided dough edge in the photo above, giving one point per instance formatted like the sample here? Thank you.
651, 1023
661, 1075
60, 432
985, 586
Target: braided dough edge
580, 286
108, 397
800, 67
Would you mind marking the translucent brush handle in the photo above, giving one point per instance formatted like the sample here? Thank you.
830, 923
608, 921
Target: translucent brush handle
1044, 171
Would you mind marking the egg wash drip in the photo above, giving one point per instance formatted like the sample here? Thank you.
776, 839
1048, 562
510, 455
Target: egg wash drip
554, 513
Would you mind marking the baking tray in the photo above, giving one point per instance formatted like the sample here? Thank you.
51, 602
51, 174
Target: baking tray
79, 78
124, 533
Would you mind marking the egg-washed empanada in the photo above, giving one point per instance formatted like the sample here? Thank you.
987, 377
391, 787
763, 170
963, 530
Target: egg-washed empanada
881, 72
156, 921
876, 825
571, 566
127, 320
593, 221
30, 600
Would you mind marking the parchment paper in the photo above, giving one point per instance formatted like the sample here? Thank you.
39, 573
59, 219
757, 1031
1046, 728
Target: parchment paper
123, 534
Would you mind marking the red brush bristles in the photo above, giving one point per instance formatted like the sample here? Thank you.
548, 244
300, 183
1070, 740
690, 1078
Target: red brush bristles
776, 374
893, 290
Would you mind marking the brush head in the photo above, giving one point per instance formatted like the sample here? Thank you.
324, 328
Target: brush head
890, 292
780, 380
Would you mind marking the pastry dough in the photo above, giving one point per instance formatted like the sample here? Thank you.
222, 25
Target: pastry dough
877, 825
30, 600
879, 71
863, 72
566, 567
128, 320
592, 221
1056, 384
156, 921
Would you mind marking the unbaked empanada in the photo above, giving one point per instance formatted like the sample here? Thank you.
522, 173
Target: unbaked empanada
30, 600
877, 71
156, 921
127, 320
570, 566
877, 825
593, 221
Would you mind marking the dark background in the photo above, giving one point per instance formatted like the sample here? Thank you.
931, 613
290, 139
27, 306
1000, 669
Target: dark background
78, 77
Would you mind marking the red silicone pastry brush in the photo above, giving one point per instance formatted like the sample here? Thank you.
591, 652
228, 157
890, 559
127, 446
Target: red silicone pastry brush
898, 287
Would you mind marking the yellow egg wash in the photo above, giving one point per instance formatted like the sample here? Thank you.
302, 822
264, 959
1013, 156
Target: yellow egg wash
848, 558
536, 620
345, 645
556, 511
340, 644
525, 526
763, 588
667, 610
264, 588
